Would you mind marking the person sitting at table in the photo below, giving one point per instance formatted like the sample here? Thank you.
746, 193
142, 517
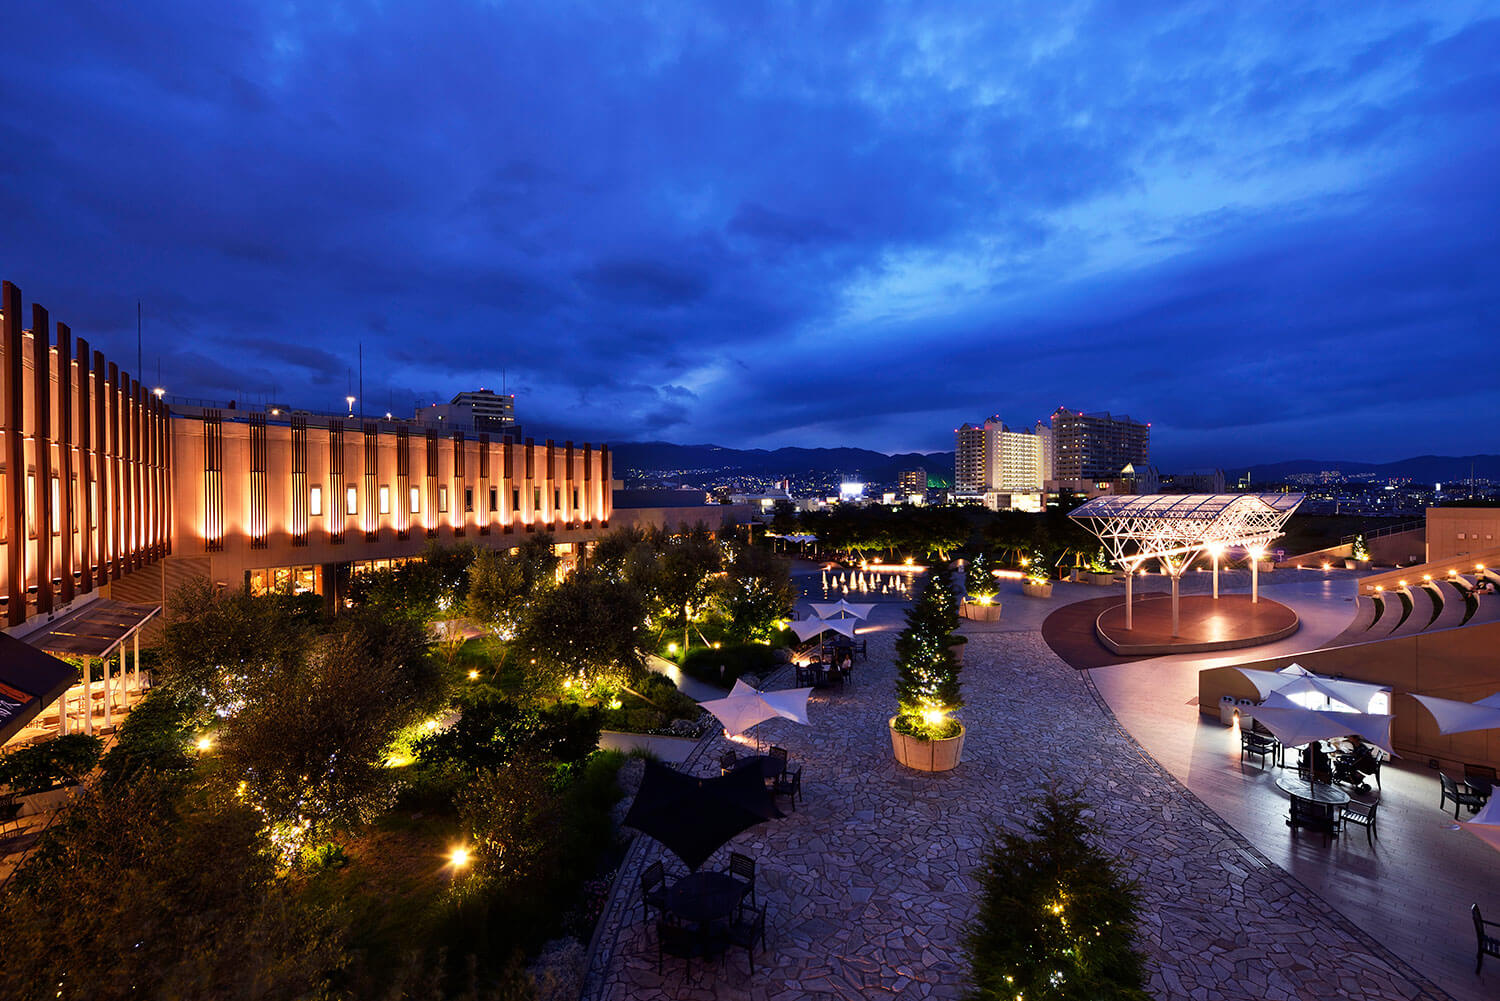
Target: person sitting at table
1352, 766
847, 664
1314, 763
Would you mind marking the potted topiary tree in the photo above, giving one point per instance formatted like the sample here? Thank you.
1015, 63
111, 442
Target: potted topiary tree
924, 734
1099, 571
1038, 582
979, 584
1360, 553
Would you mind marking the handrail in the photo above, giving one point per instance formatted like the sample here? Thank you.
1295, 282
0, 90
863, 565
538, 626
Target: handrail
1380, 533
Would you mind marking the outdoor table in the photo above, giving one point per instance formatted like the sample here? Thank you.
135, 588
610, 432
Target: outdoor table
1316, 792
702, 897
770, 767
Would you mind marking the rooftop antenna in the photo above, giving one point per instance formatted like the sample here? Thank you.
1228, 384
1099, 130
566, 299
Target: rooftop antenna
138, 337
361, 380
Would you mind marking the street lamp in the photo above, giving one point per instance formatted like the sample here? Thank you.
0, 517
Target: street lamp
350, 401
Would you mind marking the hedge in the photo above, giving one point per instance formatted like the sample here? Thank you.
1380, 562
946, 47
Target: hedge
703, 663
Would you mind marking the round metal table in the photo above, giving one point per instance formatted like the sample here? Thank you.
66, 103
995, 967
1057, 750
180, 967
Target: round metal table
1316, 792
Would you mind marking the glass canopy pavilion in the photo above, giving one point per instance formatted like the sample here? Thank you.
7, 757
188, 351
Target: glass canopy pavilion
1174, 529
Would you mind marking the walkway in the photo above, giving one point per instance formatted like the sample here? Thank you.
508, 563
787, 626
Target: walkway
870, 883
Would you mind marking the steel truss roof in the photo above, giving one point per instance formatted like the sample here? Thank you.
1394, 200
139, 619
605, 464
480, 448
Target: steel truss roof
1175, 527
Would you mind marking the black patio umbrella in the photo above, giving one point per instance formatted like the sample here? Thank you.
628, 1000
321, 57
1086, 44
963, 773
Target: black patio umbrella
693, 817
30, 681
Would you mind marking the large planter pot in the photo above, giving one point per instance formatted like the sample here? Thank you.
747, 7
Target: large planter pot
1349, 564
927, 755
1096, 579
1267, 566
957, 649
1036, 588
980, 611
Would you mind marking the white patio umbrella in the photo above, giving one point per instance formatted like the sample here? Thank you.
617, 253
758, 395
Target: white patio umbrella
1453, 716
1295, 725
1294, 679
746, 706
833, 609
808, 628
1485, 824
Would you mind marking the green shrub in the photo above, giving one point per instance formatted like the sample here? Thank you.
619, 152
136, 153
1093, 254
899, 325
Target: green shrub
568, 731
1057, 920
60, 761
703, 663
155, 737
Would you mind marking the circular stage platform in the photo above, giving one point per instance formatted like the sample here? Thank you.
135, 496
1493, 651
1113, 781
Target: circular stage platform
1204, 624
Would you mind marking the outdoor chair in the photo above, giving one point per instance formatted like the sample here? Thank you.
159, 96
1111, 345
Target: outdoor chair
1489, 945
747, 932
1259, 745
1314, 817
789, 784
1460, 794
1361, 815
1480, 778
653, 889
727, 761
742, 868
779, 753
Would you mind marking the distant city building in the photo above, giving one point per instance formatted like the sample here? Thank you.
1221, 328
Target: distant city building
1097, 446
1209, 482
1001, 467
481, 410
911, 481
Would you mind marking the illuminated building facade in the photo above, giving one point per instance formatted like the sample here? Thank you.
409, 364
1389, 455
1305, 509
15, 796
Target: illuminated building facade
85, 461
1096, 446
140, 497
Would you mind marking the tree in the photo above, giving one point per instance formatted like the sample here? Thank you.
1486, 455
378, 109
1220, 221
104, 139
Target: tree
1057, 920
927, 686
686, 565
755, 592
497, 592
216, 641
979, 582
588, 625
308, 742
132, 893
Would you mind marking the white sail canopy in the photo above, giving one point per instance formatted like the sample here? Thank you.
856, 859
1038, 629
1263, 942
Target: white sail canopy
1453, 716
1295, 725
746, 706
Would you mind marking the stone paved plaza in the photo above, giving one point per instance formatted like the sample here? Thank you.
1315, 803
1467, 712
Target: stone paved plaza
870, 883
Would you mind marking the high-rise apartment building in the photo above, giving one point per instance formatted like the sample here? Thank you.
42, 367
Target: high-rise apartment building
911, 481
992, 460
970, 465
1096, 446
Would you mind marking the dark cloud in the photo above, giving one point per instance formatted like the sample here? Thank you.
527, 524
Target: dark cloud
1269, 232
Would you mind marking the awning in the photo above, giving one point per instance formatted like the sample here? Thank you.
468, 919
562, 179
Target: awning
1453, 716
94, 630
30, 681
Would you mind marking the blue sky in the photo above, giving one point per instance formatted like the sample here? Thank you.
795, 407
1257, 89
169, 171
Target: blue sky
1271, 230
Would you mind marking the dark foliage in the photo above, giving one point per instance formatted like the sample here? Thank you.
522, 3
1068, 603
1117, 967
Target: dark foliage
703, 663
60, 761
1057, 920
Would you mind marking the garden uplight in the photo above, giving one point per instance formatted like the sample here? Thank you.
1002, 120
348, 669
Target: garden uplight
204, 743
458, 858
671, 648
933, 716
473, 675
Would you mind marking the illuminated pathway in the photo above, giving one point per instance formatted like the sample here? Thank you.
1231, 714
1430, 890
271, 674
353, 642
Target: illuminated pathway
869, 884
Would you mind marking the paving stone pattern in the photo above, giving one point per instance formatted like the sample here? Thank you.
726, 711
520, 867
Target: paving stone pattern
870, 883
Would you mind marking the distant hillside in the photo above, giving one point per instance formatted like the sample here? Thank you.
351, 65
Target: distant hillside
1422, 468
870, 465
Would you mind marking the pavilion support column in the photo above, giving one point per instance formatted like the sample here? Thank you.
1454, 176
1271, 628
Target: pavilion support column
1175, 580
1216, 576
124, 684
88, 696
136, 639
1254, 581
62, 715
109, 692
1129, 575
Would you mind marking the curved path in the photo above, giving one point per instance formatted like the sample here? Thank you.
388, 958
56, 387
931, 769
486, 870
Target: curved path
870, 883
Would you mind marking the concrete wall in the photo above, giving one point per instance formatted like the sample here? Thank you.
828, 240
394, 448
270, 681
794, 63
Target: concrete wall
1460, 531
1452, 664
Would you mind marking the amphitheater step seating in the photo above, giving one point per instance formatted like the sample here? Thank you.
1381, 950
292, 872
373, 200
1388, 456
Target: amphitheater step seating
1423, 611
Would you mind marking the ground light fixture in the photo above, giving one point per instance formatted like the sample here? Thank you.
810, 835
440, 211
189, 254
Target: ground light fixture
204, 744
458, 858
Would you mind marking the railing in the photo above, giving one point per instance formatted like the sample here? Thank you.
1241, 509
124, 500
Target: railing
1380, 533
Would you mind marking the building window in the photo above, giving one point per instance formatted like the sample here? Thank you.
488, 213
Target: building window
56, 507
31, 505
416, 500
442, 500
385, 500
468, 498
536, 498
515, 501
351, 500
315, 502
494, 496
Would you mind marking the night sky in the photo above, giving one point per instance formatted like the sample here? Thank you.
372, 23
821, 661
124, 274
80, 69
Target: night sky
1274, 233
